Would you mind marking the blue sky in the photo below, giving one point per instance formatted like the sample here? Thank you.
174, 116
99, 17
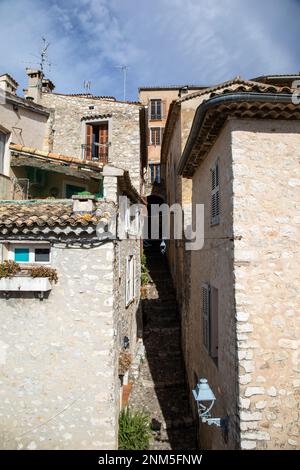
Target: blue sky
162, 41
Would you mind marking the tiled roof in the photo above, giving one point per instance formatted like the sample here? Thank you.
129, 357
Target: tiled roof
96, 116
30, 151
94, 97
21, 219
242, 85
212, 114
236, 85
170, 87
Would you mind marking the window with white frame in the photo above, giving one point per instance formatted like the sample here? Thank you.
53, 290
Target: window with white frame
210, 320
215, 195
130, 275
30, 254
156, 109
156, 135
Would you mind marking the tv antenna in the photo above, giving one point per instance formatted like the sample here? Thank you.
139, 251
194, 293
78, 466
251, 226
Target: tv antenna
43, 55
42, 58
124, 68
87, 86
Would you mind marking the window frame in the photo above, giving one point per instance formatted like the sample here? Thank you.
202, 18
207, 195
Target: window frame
156, 116
31, 247
160, 130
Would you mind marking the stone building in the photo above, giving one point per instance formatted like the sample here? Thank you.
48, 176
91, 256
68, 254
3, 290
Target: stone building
61, 342
239, 304
89, 128
157, 101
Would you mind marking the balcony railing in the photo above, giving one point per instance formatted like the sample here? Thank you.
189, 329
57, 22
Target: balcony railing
95, 152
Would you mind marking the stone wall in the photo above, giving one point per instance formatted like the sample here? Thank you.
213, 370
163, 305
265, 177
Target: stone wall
266, 216
213, 264
124, 129
58, 358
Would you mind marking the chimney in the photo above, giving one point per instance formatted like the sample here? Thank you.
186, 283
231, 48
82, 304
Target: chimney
84, 203
47, 85
8, 84
34, 89
183, 91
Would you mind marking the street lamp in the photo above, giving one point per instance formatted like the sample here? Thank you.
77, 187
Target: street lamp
205, 399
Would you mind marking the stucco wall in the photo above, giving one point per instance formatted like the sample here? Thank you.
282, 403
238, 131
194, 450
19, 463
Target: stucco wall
24, 127
124, 129
58, 358
213, 264
266, 216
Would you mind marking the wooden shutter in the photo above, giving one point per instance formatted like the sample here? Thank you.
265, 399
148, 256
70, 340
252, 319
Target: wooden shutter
89, 142
215, 195
214, 322
103, 141
205, 315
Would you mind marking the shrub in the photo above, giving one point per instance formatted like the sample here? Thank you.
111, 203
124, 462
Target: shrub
134, 430
124, 362
145, 278
9, 268
45, 271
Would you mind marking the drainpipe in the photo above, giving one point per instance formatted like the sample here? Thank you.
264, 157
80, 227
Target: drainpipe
224, 99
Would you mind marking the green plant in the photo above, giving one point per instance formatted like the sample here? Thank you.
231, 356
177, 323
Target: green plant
145, 278
134, 430
45, 271
9, 268
84, 193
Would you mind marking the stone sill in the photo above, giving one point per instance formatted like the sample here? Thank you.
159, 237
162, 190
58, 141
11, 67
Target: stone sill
25, 284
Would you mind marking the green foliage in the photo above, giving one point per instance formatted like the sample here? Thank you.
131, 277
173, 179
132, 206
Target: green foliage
9, 268
45, 271
84, 193
134, 430
145, 278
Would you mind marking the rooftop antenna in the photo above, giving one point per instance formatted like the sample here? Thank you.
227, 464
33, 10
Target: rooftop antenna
43, 55
124, 68
87, 86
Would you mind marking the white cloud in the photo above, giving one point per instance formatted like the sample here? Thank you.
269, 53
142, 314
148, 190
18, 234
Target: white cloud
162, 41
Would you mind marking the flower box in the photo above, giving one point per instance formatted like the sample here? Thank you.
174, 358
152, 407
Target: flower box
25, 284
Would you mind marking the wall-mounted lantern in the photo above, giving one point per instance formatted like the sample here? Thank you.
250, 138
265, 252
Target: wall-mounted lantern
205, 400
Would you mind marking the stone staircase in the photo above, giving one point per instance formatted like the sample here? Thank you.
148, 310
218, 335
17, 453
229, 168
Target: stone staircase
161, 389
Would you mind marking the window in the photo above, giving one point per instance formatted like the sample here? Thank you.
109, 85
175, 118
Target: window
130, 274
156, 135
2, 150
97, 144
39, 254
215, 195
21, 255
154, 172
42, 255
210, 319
155, 109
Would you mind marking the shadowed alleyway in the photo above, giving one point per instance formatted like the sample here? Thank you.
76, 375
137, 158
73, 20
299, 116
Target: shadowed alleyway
161, 389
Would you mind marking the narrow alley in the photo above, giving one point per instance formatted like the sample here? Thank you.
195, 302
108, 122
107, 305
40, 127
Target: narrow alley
161, 390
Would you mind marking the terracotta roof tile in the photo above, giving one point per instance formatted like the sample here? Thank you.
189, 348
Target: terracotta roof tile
27, 217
